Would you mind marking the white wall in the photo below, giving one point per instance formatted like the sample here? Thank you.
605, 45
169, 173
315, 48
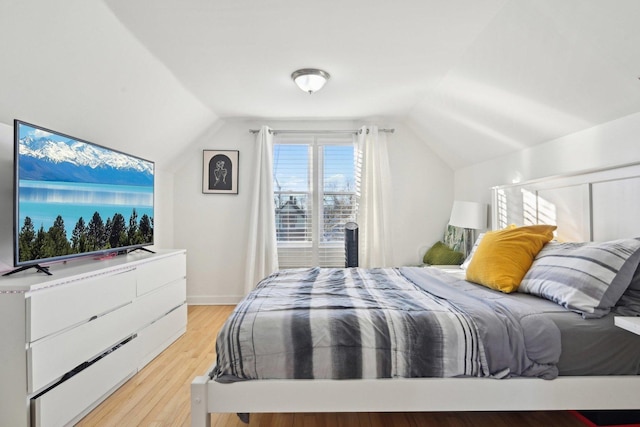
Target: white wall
613, 143
163, 209
213, 228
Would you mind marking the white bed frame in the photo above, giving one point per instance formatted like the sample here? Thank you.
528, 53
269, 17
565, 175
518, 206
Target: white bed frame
582, 207
411, 395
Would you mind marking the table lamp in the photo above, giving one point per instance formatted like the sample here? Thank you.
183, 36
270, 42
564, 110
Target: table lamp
470, 216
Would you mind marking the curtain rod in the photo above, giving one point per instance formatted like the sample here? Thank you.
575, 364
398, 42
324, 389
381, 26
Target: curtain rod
276, 131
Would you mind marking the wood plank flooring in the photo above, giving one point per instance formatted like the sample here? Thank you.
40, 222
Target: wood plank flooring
158, 395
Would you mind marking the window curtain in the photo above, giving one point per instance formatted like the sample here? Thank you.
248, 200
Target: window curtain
374, 214
262, 253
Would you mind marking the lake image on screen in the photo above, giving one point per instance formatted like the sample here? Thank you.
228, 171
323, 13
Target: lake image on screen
76, 197
43, 201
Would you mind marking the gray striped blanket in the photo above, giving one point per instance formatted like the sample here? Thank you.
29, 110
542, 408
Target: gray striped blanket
323, 323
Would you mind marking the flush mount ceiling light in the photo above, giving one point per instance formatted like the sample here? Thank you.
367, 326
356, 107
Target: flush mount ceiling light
310, 79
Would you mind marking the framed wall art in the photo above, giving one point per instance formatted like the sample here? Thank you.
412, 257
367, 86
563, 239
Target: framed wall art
220, 171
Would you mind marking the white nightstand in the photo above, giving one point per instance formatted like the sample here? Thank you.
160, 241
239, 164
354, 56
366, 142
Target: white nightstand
631, 324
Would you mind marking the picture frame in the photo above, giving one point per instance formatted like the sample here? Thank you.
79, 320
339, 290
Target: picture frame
220, 171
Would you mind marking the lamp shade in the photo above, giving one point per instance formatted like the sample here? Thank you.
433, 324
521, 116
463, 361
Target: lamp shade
310, 79
469, 215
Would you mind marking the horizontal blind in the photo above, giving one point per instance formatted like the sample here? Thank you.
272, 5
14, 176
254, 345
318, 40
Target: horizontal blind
314, 196
293, 204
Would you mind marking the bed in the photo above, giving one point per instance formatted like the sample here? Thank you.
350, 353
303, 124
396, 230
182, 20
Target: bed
544, 350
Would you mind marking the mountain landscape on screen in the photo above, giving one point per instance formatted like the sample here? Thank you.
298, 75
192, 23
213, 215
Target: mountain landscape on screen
73, 161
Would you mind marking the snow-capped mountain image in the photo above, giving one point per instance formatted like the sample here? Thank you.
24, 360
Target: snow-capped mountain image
51, 157
80, 154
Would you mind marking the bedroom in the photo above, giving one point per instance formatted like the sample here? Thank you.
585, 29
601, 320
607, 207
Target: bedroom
524, 90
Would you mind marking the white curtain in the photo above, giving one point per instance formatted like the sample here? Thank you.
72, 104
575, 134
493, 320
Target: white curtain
374, 207
262, 252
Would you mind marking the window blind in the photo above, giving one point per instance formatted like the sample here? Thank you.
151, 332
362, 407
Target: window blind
314, 196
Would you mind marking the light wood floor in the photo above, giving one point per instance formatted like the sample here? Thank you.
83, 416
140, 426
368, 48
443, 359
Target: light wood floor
159, 394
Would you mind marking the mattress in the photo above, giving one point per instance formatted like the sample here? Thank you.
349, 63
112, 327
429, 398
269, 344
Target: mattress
596, 346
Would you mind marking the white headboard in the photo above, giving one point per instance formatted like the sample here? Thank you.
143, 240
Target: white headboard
594, 205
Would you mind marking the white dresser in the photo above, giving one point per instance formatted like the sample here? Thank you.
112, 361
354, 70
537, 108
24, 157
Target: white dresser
71, 339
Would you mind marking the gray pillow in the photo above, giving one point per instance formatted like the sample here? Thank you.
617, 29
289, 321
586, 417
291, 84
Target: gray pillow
588, 278
629, 302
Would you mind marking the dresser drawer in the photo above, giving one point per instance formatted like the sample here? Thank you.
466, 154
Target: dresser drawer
65, 402
153, 305
153, 339
52, 357
160, 272
59, 307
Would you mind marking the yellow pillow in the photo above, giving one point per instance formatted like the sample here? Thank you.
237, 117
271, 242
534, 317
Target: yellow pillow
503, 257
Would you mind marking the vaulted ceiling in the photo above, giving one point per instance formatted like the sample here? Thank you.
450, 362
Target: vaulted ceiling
475, 78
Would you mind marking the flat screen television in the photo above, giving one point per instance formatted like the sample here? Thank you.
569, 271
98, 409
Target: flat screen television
74, 198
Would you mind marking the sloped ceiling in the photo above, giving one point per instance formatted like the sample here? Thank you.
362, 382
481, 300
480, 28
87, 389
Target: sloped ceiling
476, 78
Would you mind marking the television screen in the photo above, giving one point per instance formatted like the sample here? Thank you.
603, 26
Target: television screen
74, 198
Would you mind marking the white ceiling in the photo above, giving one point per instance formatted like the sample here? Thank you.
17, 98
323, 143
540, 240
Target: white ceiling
476, 78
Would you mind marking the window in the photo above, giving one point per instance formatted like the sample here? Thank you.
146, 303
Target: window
314, 183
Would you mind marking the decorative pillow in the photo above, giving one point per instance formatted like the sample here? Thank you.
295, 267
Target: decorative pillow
454, 237
441, 254
588, 278
503, 257
467, 261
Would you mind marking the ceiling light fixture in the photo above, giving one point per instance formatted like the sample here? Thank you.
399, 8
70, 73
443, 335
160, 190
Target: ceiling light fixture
310, 79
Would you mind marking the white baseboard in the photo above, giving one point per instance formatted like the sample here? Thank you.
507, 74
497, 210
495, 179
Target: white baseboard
213, 299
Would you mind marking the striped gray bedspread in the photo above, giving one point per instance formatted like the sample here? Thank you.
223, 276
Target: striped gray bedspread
323, 323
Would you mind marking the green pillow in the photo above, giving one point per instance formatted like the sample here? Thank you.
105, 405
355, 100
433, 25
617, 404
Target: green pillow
441, 254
